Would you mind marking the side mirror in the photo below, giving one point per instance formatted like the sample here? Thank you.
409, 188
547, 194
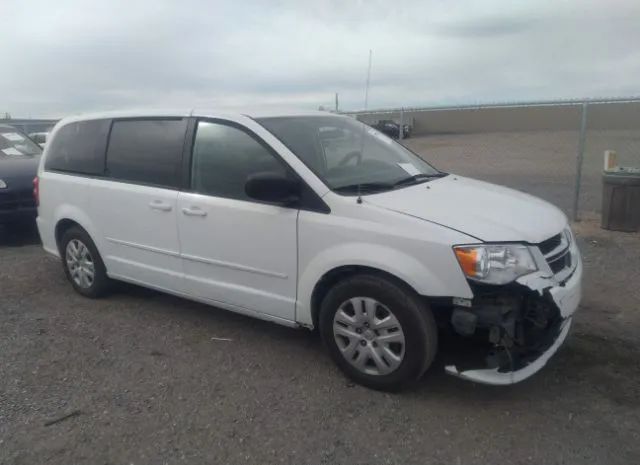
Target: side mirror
273, 187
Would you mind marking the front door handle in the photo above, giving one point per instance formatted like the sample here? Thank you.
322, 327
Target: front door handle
194, 211
160, 205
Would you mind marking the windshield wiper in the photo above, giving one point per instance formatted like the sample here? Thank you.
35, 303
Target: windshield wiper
368, 187
417, 178
365, 187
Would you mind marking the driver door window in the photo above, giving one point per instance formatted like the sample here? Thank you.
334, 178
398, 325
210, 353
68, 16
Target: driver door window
224, 157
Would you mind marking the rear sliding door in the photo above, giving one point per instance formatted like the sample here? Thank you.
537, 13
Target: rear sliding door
134, 204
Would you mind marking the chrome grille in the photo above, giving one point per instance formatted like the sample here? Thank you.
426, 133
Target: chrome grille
559, 263
557, 252
550, 244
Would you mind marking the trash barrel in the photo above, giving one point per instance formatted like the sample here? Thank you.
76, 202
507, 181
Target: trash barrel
621, 200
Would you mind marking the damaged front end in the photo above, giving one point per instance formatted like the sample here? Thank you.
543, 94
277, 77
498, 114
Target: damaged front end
517, 327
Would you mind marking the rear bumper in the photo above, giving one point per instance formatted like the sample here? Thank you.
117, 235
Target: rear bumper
16, 202
566, 298
18, 214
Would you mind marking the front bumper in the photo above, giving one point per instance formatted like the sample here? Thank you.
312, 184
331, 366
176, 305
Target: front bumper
565, 296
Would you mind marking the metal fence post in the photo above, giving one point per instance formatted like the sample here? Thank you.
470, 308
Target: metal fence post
579, 159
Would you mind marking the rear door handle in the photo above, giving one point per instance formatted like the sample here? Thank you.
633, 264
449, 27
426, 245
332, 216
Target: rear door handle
194, 211
160, 205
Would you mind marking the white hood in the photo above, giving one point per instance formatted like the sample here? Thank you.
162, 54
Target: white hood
486, 211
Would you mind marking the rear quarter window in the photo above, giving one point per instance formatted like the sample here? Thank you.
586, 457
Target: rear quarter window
79, 148
147, 151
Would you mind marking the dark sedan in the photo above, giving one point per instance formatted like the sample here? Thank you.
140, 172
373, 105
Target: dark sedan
392, 129
19, 158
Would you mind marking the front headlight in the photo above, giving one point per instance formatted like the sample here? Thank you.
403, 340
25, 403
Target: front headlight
495, 263
3, 185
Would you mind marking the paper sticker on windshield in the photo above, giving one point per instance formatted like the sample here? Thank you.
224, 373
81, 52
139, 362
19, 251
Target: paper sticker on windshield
13, 136
379, 136
409, 168
12, 151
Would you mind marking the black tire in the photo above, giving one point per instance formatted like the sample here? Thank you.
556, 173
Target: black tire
414, 316
101, 283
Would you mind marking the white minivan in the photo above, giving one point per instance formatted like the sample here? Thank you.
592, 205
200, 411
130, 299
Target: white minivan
313, 220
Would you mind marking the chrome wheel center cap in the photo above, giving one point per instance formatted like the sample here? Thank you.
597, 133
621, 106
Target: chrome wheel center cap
369, 335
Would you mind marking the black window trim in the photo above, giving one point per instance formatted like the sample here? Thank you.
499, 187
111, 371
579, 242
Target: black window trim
179, 177
76, 173
309, 201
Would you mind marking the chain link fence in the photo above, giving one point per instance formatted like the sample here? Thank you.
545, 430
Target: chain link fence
553, 150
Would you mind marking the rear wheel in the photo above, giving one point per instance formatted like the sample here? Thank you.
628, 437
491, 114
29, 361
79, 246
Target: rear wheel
82, 263
379, 333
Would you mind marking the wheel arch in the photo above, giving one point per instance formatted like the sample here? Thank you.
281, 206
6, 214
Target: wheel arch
334, 275
63, 226
418, 273
68, 217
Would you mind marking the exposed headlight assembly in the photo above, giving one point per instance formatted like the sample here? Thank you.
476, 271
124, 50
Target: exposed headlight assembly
495, 263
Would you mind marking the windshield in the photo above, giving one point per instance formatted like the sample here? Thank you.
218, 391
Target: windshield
15, 144
349, 156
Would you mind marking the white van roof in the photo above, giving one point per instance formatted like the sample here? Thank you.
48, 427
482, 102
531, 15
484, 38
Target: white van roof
155, 112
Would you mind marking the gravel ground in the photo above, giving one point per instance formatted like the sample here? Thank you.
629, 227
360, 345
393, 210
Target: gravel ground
541, 163
152, 379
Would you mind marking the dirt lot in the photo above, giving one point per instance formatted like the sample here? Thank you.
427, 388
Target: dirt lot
149, 381
541, 163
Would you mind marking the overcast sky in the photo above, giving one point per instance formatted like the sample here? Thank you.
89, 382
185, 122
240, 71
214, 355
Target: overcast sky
59, 57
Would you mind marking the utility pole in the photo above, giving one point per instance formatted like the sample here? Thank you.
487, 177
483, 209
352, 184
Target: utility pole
366, 91
336, 102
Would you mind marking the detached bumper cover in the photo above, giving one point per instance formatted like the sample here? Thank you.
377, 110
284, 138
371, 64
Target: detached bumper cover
496, 378
566, 297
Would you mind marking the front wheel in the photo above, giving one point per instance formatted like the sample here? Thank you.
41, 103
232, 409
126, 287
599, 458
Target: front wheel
379, 333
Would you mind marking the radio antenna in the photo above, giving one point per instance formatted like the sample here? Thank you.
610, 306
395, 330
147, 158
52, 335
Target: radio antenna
366, 104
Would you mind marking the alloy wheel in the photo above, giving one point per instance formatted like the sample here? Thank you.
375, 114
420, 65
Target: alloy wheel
80, 263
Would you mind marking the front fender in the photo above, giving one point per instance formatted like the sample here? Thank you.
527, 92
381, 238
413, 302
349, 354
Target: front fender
416, 274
